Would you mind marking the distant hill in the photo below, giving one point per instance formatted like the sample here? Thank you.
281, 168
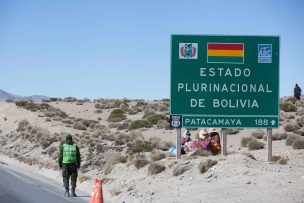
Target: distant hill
35, 98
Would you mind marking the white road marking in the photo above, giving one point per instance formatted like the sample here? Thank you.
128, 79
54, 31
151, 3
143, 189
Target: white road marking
21, 178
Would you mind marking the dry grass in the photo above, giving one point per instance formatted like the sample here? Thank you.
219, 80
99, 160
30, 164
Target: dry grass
140, 161
279, 160
205, 165
290, 127
137, 124
115, 192
291, 139
158, 143
155, 168
245, 141
180, 169
279, 136
288, 106
50, 151
114, 158
298, 143
157, 155
258, 134
254, 144
22, 126
232, 131
300, 121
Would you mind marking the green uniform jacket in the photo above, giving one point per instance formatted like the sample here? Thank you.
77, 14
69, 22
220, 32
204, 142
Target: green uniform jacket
60, 159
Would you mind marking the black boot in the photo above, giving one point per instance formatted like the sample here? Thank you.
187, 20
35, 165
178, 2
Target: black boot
73, 194
66, 193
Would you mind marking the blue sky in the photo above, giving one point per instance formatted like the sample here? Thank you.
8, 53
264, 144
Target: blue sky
117, 49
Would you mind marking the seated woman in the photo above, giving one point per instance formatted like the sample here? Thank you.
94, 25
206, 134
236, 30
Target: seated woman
185, 139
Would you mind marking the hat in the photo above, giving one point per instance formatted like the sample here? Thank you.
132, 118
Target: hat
187, 133
69, 137
203, 134
212, 130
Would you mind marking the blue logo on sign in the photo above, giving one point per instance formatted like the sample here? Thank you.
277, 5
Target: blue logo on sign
264, 53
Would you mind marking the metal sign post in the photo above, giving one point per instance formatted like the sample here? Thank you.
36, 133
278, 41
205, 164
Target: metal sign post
269, 143
224, 141
178, 143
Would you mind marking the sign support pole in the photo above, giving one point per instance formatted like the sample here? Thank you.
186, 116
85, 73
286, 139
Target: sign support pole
224, 141
178, 143
269, 143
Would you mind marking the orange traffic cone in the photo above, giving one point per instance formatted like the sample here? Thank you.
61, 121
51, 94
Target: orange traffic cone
97, 196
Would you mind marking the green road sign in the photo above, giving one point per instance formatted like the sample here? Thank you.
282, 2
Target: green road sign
221, 78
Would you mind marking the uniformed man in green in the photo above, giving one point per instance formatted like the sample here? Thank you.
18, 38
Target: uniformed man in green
69, 162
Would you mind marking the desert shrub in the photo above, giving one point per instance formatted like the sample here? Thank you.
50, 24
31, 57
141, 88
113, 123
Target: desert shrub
50, 151
300, 121
288, 106
245, 141
139, 124
232, 131
291, 139
300, 112
136, 135
114, 159
44, 143
141, 147
21, 103
298, 143
52, 112
157, 155
258, 134
201, 152
79, 126
22, 125
155, 118
279, 160
279, 136
69, 99
79, 102
204, 166
180, 169
254, 144
291, 99
162, 108
140, 161
121, 139
290, 127
53, 99
155, 168
9, 101
158, 143
117, 115
101, 148
113, 125
124, 125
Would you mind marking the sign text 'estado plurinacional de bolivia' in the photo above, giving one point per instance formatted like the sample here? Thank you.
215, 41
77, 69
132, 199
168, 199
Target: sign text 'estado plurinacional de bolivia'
225, 81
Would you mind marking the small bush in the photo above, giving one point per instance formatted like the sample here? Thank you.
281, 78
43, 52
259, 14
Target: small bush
288, 107
141, 147
79, 126
180, 169
44, 143
291, 99
140, 161
204, 166
114, 159
289, 127
258, 134
117, 115
245, 141
155, 168
155, 118
300, 121
157, 155
298, 143
291, 139
50, 151
22, 125
232, 131
139, 124
69, 99
279, 136
279, 160
254, 144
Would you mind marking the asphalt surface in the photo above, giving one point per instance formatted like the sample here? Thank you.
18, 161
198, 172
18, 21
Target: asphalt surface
16, 187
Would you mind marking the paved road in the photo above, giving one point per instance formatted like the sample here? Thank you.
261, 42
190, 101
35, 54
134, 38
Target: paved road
16, 187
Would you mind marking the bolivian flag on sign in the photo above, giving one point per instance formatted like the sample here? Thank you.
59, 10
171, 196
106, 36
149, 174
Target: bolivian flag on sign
225, 53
